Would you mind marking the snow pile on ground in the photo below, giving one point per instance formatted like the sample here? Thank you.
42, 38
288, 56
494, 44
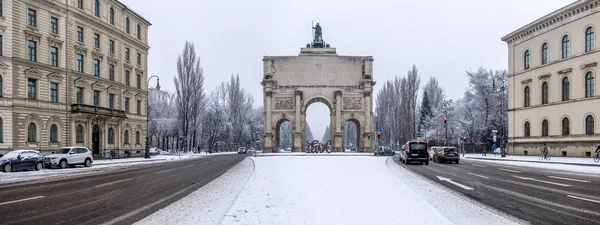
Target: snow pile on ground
314, 154
566, 169
346, 190
208, 204
553, 159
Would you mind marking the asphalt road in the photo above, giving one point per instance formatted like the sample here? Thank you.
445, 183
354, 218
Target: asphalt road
539, 196
120, 197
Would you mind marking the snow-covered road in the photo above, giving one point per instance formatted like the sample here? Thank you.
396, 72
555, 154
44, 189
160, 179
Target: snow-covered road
324, 190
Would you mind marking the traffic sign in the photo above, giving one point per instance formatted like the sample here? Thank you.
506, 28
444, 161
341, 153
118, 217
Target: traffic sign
464, 134
463, 130
495, 131
381, 129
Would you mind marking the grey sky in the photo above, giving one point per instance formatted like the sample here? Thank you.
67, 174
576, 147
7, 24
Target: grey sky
443, 38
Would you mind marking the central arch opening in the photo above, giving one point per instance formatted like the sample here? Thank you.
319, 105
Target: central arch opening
352, 136
284, 139
318, 122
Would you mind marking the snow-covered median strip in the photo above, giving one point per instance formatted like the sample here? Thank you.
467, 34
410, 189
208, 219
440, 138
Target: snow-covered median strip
208, 204
562, 168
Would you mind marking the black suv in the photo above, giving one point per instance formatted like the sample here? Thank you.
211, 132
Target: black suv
414, 151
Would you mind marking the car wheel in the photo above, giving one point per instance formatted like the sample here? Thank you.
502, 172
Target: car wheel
456, 161
63, 164
427, 162
7, 168
38, 166
87, 163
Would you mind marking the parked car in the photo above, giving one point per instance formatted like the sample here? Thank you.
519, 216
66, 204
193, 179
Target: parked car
414, 151
155, 151
18, 160
446, 154
69, 156
242, 150
382, 150
251, 151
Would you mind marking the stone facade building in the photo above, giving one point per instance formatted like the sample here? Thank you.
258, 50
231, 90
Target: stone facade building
72, 75
553, 70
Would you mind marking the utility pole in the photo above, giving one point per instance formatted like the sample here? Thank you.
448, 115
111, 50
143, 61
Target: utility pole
446, 127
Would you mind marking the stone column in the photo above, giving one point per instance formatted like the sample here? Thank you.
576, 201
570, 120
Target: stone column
338, 136
298, 132
268, 137
367, 141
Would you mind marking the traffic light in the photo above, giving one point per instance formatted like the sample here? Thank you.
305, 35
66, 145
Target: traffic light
252, 136
445, 120
465, 138
378, 135
261, 135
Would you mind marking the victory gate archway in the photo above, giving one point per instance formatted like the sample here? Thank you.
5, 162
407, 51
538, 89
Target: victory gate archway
318, 74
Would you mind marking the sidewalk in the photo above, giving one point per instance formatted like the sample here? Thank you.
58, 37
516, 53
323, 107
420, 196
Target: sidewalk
578, 161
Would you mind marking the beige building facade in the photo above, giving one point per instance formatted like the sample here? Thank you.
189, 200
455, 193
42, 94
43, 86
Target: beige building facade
84, 87
343, 83
553, 82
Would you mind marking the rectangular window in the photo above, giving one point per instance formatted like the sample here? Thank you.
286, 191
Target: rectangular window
1, 14
139, 81
80, 34
111, 47
111, 72
96, 67
79, 95
32, 51
54, 56
139, 107
111, 101
127, 78
54, 25
96, 40
1, 40
97, 98
80, 63
139, 59
32, 89
54, 92
80, 4
32, 18
127, 54
126, 104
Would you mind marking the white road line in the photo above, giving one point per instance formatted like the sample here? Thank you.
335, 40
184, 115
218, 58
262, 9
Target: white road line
189, 165
584, 199
570, 179
543, 181
114, 182
477, 165
21, 200
478, 175
455, 183
512, 171
164, 171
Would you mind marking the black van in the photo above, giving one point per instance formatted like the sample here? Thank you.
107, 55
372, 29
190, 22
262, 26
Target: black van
415, 151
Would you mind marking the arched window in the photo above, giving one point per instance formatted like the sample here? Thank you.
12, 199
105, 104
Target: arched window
137, 137
589, 125
545, 93
527, 129
97, 8
53, 133
544, 53
566, 46
565, 126
1, 86
589, 84
526, 59
31, 132
112, 16
565, 89
79, 134
545, 128
589, 39
139, 32
126, 137
526, 97
1, 131
111, 136
127, 25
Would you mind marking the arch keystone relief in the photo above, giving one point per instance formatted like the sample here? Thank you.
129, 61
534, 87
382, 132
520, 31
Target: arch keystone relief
343, 83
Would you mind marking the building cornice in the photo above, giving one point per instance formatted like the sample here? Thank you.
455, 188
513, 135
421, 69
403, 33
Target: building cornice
570, 12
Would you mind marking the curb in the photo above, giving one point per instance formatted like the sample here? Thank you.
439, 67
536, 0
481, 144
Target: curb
310, 154
514, 160
150, 160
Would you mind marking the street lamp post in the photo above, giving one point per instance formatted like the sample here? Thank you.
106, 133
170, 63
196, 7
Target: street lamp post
147, 152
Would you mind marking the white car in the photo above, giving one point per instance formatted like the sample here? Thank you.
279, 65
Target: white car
155, 151
69, 156
242, 150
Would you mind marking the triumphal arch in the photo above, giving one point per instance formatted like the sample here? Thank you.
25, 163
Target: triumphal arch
318, 74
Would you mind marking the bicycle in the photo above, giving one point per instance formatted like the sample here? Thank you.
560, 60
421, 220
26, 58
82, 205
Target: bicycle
597, 157
546, 158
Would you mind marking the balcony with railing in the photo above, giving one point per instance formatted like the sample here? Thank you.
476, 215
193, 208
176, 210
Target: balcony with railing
96, 110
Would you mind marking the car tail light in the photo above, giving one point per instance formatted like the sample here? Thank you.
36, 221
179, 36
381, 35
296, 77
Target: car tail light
443, 154
458, 153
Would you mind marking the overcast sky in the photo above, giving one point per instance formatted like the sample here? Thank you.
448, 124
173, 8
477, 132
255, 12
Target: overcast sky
443, 38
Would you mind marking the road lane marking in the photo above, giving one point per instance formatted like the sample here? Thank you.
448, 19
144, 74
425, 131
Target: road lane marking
543, 181
114, 182
21, 200
584, 199
164, 171
189, 165
507, 170
477, 165
455, 183
478, 175
570, 179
